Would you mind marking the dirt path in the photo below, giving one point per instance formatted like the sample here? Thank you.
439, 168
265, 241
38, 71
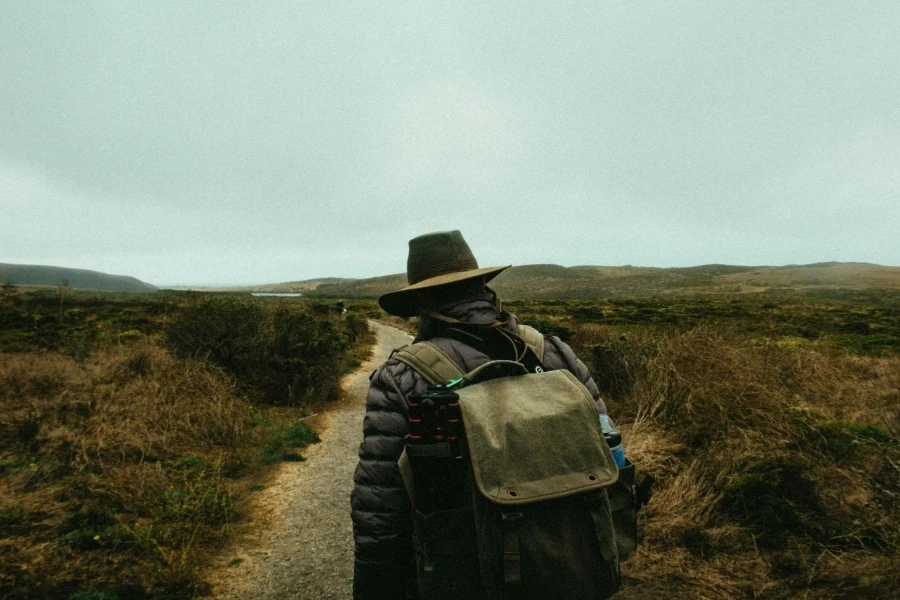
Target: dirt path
301, 543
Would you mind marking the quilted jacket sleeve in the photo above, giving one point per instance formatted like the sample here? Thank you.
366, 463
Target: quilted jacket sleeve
385, 563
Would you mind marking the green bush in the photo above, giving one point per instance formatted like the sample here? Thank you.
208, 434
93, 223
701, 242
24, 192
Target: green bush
305, 359
300, 435
282, 354
225, 329
357, 326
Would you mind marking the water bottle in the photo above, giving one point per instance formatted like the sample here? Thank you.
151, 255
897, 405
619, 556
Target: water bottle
613, 440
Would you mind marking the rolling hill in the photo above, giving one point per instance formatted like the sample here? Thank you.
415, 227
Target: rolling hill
40, 275
300, 287
554, 281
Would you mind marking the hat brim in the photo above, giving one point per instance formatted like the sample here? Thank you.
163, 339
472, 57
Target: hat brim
402, 302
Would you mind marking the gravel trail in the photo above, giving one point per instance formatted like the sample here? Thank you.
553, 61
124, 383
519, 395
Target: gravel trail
299, 542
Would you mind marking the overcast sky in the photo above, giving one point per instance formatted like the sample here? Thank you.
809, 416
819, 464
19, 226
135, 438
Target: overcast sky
238, 142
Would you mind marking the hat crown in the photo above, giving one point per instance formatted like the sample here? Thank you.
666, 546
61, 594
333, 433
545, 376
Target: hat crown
435, 259
438, 253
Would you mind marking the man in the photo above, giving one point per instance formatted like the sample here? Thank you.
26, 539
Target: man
445, 286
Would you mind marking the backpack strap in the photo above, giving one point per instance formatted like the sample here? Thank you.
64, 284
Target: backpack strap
533, 338
436, 366
429, 361
512, 557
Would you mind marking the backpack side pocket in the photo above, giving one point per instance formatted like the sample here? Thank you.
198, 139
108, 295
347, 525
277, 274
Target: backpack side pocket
623, 505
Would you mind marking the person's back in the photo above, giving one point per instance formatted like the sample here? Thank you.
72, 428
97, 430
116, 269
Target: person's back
443, 292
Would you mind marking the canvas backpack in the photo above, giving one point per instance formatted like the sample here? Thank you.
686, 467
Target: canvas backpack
510, 496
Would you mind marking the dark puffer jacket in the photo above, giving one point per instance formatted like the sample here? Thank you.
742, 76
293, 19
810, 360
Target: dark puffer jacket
382, 529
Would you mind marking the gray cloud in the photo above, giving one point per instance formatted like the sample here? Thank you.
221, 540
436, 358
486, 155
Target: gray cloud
223, 142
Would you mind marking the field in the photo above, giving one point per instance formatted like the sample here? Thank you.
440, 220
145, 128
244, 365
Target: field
133, 429
771, 424
859, 322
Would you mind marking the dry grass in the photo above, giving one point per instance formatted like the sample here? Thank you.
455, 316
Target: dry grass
112, 469
777, 467
122, 464
119, 471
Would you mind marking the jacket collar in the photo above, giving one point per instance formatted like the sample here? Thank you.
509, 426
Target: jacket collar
479, 310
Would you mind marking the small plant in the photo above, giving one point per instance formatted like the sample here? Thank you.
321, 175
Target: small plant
87, 527
300, 435
276, 450
286, 444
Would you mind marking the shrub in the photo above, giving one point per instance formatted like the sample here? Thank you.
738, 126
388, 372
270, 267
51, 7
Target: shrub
225, 329
305, 359
357, 326
119, 465
286, 354
610, 363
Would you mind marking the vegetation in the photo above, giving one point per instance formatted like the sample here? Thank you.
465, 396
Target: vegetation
771, 424
134, 427
277, 353
860, 322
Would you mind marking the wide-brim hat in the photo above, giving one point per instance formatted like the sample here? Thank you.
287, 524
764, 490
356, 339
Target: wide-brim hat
435, 259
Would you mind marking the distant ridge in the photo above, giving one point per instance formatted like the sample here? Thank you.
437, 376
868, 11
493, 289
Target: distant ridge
74, 278
307, 285
543, 282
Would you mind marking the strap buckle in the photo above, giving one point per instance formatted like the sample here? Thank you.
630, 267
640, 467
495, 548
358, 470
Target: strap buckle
512, 558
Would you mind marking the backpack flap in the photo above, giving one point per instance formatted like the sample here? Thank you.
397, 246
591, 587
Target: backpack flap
535, 437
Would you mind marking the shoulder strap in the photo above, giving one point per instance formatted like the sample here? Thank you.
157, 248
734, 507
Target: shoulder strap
533, 338
435, 366
429, 361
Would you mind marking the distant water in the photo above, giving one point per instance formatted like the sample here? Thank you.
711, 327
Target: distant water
281, 294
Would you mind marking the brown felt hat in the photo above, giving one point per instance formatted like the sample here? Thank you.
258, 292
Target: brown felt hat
435, 259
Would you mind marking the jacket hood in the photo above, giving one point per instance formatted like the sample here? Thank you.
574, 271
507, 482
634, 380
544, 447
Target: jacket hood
480, 309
